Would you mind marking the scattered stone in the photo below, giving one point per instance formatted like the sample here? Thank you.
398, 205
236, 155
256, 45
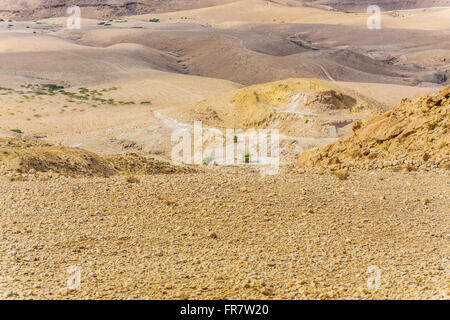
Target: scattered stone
212, 235
341, 174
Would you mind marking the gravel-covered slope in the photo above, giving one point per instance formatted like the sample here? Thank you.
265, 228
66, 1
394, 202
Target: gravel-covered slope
227, 236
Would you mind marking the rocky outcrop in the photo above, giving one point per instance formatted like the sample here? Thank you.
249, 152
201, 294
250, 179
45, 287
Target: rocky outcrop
413, 135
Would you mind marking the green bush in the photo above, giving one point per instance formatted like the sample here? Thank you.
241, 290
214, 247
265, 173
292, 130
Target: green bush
207, 160
52, 86
432, 125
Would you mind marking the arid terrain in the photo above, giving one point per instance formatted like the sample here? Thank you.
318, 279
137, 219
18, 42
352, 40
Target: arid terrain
91, 119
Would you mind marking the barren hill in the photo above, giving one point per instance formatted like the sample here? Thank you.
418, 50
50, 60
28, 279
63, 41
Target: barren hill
22, 157
260, 53
362, 5
38, 9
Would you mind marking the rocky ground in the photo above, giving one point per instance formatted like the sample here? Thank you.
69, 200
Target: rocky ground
227, 233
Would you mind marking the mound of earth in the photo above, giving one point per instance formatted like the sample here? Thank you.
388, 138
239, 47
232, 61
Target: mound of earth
413, 135
263, 105
22, 157
306, 112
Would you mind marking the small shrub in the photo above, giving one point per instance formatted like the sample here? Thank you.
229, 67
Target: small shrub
432, 125
52, 86
81, 97
247, 158
67, 93
307, 120
235, 139
153, 20
207, 160
17, 130
146, 102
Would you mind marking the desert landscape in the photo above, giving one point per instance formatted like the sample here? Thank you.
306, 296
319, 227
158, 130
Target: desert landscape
233, 149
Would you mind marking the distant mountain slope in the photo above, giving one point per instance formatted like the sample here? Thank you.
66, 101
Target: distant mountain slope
385, 5
38, 9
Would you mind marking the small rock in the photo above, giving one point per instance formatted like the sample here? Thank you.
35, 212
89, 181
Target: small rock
63, 292
341, 174
212, 235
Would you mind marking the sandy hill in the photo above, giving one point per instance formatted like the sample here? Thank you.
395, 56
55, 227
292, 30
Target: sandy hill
38, 9
252, 54
245, 45
306, 112
412, 135
263, 105
291, 12
190, 63
361, 5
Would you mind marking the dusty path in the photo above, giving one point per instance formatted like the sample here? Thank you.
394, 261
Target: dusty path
227, 235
